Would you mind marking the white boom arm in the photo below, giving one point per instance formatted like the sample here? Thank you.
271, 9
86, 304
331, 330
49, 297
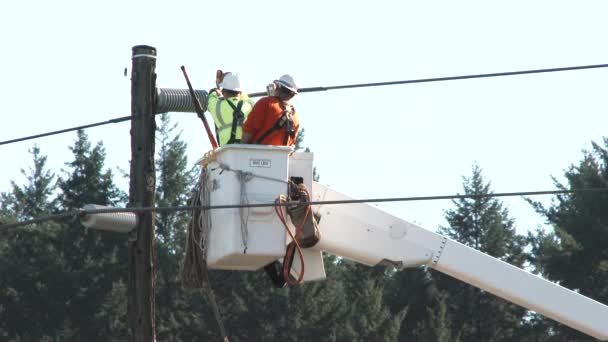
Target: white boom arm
250, 239
365, 234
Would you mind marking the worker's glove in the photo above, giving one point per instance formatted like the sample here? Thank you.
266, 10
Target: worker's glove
219, 77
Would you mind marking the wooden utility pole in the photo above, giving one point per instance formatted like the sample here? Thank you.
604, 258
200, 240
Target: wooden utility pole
142, 270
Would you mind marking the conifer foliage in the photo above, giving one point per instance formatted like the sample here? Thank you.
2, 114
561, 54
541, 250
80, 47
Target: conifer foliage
481, 223
59, 282
575, 252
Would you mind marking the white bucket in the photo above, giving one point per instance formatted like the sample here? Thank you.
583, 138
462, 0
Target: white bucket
268, 168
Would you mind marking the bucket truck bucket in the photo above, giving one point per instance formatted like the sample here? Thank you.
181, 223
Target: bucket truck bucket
246, 238
250, 238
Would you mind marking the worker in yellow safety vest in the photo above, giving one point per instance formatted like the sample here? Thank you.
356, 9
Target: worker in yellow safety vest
230, 111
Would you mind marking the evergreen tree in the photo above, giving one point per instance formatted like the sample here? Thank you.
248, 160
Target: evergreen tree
33, 199
368, 318
412, 291
85, 181
254, 310
96, 261
482, 223
315, 310
436, 325
174, 183
574, 253
299, 140
31, 296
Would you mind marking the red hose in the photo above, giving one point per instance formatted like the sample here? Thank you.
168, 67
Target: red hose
293, 245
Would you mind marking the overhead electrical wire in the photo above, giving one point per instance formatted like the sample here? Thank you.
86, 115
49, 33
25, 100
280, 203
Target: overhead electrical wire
450, 78
349, 86
79, 212
124, 118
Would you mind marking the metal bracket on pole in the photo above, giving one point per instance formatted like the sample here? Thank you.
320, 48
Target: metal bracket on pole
133, 232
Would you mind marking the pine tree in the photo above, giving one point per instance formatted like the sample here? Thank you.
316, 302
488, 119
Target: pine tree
300, 139
85, 181
173, 188
31, 296
315, 309
96, 261
33, 199
368, 318
436, 325
482, 223
413, 292
254, 310
574, 253
174, 183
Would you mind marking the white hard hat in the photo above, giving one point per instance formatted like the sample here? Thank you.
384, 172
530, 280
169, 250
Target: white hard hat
288, 82
231, 82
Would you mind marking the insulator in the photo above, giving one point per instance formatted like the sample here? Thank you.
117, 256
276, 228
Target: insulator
179, 100
114, 222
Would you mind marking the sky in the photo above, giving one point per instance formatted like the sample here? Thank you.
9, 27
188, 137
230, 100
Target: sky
62, 66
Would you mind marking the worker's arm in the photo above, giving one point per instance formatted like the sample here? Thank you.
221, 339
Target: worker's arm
296, 128
212, 101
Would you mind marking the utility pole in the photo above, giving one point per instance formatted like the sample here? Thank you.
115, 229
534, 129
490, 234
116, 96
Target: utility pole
142, 269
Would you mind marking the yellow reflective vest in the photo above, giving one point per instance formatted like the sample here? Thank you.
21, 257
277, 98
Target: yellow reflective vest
224, 115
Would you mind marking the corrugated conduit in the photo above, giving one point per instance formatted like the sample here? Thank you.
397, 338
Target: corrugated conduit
179, 100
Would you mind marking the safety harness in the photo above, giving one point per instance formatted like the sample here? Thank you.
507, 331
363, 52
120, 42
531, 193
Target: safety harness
285, 121
237, 120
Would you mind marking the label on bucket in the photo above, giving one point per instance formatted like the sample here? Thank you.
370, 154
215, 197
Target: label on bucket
260, 163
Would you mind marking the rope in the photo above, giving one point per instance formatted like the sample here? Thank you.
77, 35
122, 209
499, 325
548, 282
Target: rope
244, 177
225, 167
195, 273
209, 157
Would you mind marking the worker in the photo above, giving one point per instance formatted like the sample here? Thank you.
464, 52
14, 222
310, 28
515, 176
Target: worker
274, 120
230, 111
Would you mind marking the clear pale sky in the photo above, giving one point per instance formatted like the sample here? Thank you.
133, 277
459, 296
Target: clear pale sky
62, 66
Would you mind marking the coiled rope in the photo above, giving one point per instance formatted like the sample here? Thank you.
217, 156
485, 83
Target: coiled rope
194, 273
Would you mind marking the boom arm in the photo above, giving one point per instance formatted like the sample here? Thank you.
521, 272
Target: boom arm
249, 240
365, 234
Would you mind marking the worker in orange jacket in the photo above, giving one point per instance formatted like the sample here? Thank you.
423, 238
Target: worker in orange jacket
273, 119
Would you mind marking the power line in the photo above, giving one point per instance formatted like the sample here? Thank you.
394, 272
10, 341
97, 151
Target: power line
451, 78
124, 118
360, 85
81, 212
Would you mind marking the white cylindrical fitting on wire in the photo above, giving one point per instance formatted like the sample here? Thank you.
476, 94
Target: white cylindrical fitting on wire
113, 222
